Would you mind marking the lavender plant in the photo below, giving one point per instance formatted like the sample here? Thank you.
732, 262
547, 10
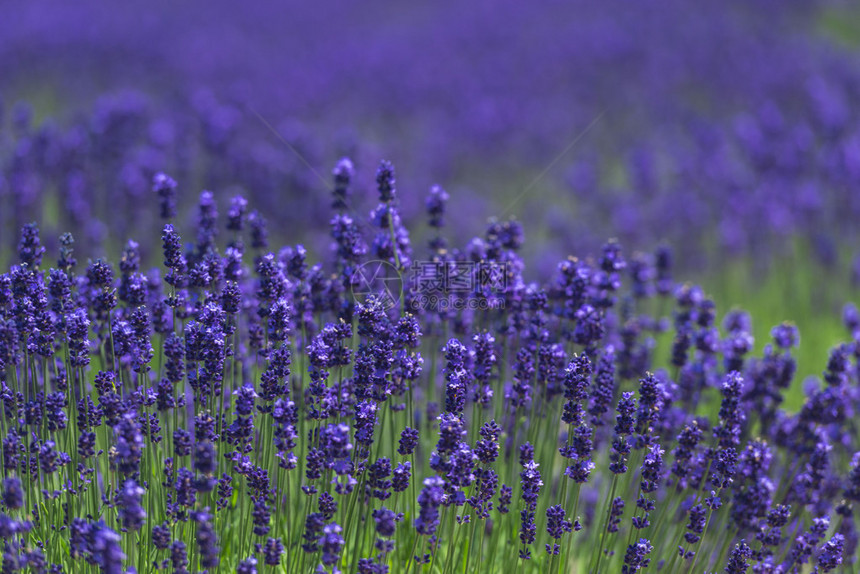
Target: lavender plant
245, 408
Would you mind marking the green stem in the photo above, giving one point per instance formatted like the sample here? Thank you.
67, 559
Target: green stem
603, 533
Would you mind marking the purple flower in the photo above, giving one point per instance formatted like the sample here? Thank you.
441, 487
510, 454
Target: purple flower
487, 448
174, 352
579, 471
435, 205
484, 363
460, 466
174, 260
486, 481
161, 536
60, 289
649, 408
603, 386
86, 444
185, 492
852, 489
236, 213
839, 366
505, 496
724, 467
808, 482
181, 442
785, 336
385, 522
636, 557
247, 566
408, 441
391, 242
624, 426
457, 380
165, 187
244, 401
273, 379
225, 491
327, 505
590, 326
349, 245
527, 453
851, 318
332, 544
207, 541
616, 511
688, 439
451, 432
179, 557
131, 513
681, 346
378, 483
13, 494
528, 532
259, 230
531, 483
365, 421
651, 468
30, 249
385, 181
731, 414
429, 501
831, 553
314, 523
778, 516
805, 544
576, 380
556, 526
343, 173
642, 274
104, 545
207, 217
280, 318
401, 476
130, 443
66, 260
696, 525
273, 551
407, 332
520, 393
261, 516
738, 559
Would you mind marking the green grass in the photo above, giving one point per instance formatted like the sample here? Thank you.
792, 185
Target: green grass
797, 289
841, 23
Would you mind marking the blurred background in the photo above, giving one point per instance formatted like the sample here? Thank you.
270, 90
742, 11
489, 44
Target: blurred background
726, 129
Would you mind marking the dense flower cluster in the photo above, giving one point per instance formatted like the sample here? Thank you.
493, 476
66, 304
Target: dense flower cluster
241, 406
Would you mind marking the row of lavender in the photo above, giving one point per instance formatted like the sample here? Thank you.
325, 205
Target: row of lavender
773, 175
242, 409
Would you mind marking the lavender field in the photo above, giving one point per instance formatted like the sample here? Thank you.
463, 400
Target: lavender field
479, 287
